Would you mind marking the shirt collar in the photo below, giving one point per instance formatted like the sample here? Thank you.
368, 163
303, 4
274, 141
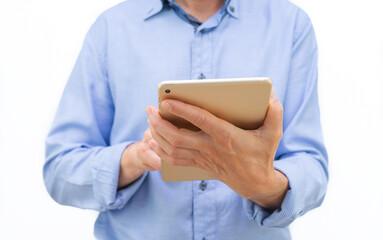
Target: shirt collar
157, 6
232, 8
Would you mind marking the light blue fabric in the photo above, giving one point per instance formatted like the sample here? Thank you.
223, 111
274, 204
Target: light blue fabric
126, 53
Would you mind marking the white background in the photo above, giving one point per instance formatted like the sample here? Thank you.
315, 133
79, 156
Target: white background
40, 40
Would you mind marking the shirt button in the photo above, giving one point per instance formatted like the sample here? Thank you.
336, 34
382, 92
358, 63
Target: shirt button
232, 9
202, 31
203, 185
201, 76
203, 238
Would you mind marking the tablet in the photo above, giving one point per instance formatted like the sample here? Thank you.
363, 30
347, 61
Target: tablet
240, 101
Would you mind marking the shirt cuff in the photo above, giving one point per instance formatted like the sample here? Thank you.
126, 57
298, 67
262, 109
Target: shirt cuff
291, 207
106, 171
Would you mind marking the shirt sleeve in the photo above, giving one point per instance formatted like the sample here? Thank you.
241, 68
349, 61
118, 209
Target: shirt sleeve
82, 167
301, 154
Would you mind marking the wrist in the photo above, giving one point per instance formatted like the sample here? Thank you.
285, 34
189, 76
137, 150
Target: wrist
273, 197
130, 169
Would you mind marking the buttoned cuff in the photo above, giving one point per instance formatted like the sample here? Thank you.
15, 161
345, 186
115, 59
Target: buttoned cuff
292, 204
106, 171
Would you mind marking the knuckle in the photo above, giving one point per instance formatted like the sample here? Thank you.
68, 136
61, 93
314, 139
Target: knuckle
173, 152
141, 150
176, 140
200, 119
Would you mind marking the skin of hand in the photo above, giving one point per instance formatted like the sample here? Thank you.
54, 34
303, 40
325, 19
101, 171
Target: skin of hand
136, 159
242, 159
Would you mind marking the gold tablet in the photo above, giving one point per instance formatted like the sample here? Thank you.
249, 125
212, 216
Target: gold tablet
240, 101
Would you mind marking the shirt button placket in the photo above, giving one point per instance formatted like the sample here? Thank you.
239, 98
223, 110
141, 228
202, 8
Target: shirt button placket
196, 66
203, 198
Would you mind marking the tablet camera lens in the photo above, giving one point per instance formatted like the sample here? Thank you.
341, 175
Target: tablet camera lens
167, 90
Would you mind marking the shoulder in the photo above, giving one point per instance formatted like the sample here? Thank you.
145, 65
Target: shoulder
129, 10
284, 9
289, 12
281, 12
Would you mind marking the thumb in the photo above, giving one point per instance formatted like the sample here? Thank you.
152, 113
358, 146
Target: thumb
274, 116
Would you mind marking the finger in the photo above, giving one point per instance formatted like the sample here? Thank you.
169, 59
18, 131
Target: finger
170, 159
199, 117
151, 160
274, 116
171, 150
177, 137
273, 95
147, 158
147, 136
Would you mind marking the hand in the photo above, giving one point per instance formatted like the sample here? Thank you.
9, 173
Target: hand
242, 159
136, 159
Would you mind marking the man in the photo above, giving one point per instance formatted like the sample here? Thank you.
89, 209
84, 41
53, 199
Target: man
96, 157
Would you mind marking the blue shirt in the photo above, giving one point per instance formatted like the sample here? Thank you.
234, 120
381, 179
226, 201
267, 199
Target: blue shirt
126, 53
